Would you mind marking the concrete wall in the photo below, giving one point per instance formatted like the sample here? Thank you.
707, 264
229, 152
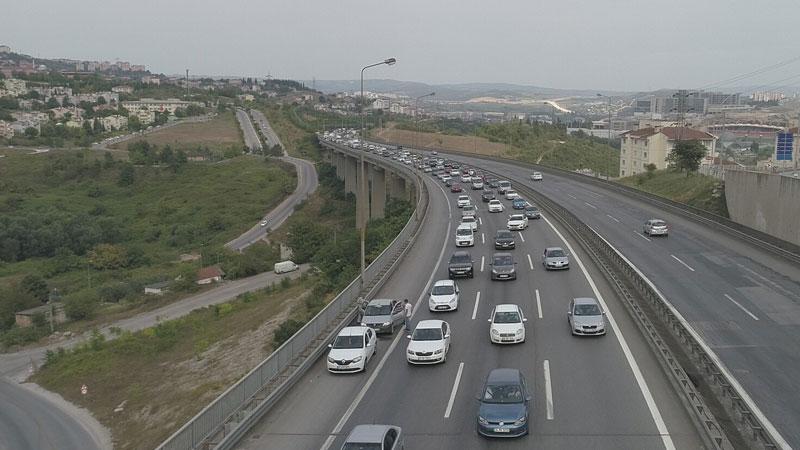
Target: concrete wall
766, 202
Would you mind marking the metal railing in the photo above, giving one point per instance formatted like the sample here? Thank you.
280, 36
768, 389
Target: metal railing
222, 423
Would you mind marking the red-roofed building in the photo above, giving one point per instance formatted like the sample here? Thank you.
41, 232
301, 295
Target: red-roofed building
208, 275
652, 145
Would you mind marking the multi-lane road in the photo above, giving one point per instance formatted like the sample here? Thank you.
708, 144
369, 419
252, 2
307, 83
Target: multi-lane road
602, 392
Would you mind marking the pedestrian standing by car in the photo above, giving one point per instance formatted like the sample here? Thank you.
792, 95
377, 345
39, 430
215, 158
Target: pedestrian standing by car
408, 309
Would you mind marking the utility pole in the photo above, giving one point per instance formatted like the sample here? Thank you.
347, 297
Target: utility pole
187, 84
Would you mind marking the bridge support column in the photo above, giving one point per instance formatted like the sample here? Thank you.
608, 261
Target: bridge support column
397, 187
338, 162
377, 192
350, 175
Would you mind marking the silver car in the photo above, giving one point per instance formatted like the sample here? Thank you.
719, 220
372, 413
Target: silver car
555, 258
586, 317
378, 437
503, 267
383, 315
655, 227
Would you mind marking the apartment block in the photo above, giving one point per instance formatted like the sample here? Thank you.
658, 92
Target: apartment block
652, 145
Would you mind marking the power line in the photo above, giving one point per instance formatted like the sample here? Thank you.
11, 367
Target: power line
753, 73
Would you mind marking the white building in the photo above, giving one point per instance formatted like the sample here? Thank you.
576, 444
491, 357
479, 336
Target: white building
122, 89
6, 130
114, 122
109, 97
153, 105
145, 117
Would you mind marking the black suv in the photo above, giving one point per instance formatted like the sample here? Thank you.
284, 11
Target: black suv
504, 239
460, 265
487, 195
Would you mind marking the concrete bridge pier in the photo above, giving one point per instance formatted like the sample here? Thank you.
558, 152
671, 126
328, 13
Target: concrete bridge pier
377, 189
350, 175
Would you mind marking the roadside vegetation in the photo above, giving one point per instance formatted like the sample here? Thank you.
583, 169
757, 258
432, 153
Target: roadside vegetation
295, 134
700, 191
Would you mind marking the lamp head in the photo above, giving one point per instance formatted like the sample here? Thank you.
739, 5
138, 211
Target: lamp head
389, 61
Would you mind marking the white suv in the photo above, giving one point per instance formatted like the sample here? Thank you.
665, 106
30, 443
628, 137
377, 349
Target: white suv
464, 236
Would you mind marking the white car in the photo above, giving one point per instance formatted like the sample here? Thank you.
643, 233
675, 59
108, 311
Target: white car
469, 210
465, 236
455, 173
477, 184
444, 178
471, 221
465, 178
511, 194
264, 222
517, 222
536, 176
444, 296
352, 349
496, 206
503, 186
463, 200
507, 324
429, 342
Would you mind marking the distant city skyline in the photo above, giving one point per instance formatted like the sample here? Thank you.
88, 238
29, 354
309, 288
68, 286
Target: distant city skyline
622, 45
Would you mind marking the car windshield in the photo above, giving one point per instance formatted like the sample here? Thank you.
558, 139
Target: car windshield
504, 183
531, 208
463, 197
443, 290
587, 310
349, 342
427, 334
558, 253
361, 446
515, 217
658, 223
503, 393
504, 234
378, 310
464, 232
503, 260
469, 208
468, 220
460, 259
507, 317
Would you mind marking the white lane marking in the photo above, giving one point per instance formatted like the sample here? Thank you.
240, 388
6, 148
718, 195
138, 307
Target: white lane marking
539, 304
680, 261
454, 391
612, 218
780, 441
590, 205
641, 236
480, 221
768, 281
350, 409
483, 238
573, 196
741, 307
594, 193
483, 259
655, 413
477, 302
530, 261
521, 238
548, 390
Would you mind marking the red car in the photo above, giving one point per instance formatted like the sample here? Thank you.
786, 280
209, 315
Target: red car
455, 188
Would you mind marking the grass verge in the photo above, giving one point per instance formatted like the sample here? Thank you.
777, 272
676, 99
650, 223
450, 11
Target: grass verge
700, 191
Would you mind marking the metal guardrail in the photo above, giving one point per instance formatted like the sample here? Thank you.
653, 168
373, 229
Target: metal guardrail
222, 423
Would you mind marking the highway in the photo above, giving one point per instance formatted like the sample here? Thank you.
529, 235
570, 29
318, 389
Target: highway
604, 392
251, 139
742, 301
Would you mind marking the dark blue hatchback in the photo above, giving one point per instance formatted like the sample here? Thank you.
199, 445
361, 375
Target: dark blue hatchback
503, 404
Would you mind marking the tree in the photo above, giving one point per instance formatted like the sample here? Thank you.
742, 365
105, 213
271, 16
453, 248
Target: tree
97, 126
52, 103
108, 257
31, 132
687, 155
101, 100
134, 124
36, 286
650, 168
126, 175
87, 127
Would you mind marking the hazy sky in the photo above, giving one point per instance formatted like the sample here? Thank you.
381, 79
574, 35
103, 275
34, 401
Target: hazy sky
600, 44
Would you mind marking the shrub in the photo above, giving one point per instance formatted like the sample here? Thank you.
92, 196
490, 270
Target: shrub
286, 330
81, 307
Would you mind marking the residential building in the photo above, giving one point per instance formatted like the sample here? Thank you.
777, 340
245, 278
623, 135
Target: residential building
6, 130
60, 112
122, 89
109, 97
145, 117
210, 274
763, 96
114, 122
15, 87
381, 103
5, 49
75, 122
153, 105
151, 80
652, 146
157, 288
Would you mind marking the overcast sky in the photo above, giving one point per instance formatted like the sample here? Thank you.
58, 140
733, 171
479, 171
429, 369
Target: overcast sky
602, 44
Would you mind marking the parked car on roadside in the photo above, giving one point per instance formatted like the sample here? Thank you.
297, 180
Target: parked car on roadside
383, 315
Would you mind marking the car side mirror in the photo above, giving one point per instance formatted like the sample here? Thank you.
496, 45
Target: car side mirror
447, 336
408, 336
524, 319
330, 345
604, 313
489, 320
528, 398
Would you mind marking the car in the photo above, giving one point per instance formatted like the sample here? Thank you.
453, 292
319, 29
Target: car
504, 240
463, 200
352, 349
507, 324
471, 221
465, 237
586, 317
493, 183
455, 187
383, 315
655, 227
374, 436
444, 296
449, 182
503, 404
460, 265
488, 195
496, 206
429, 342
519, 203
503, 186
469, 210
532, 212
503, 267
510, 194
264, 222
455, 173
445, 178
427, 169
536, 176
434, 153
555, 258
517, 222
465, 178
477, 184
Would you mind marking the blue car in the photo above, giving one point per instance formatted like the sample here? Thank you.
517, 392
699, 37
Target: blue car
519, 203
504, 404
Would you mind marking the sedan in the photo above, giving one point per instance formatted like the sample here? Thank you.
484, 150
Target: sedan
495, 206
532, 212
469, 210
429, 342
507, 324
555, 258
517, 222
352, 349
477, 183
471, 221
455, 187
519, 203
504, 240
503, 267
373, 436
536, 176
503, 407
487, 196
444, 296
586, 317
463, 200
511, 194
656, 227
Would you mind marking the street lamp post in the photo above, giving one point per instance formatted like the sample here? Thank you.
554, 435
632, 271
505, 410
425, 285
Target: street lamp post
362, 207
608, 168
416, 113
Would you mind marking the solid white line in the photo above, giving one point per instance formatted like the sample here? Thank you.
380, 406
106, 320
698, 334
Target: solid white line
590, 205
573, 196
613, 218
661, 426
477, 301
521, 237
453, 392
741, 307
780, 441
641, 236
548, 390
351, 409
684, 264
483, 259
539, 304
530, 262
483, 238
480, 221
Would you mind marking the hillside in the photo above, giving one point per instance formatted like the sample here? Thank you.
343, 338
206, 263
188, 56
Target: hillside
696, 190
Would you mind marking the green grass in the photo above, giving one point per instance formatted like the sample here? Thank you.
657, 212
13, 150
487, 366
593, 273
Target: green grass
296, 135
695, 190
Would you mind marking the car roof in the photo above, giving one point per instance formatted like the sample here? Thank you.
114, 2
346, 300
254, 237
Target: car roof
461, 253
503, 376
504, 232
549, 249
433, 323
519, 216
368, 434
501, 255
506, 307
463, 197
585, 301
381, 301
353, 331
444, 283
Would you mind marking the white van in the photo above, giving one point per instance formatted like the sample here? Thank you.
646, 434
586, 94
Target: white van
285, 266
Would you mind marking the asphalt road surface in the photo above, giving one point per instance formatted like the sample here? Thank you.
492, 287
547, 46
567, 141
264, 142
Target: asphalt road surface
251, 139
605, 392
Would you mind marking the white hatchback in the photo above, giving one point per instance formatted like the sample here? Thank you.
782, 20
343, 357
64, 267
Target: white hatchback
429, 342
444, 296
463, 200
507, 324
